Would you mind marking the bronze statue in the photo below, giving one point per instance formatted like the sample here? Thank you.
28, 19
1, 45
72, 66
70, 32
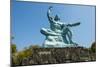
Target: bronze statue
59, 34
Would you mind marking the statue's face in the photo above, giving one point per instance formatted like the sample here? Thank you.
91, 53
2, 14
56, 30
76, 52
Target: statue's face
57, 18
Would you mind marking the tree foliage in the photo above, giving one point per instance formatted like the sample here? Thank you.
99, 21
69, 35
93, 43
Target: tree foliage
21, 55
93, 47
13, 48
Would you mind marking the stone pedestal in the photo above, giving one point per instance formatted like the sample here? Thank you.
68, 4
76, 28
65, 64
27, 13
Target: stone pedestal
58, 55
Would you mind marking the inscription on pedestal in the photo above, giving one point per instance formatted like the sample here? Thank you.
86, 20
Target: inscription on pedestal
44, 52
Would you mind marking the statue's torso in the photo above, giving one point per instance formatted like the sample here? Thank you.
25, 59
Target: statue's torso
56, 27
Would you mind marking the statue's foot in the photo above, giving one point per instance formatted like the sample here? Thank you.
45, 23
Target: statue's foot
74, 44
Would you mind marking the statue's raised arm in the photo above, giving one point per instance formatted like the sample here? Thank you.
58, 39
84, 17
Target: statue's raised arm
49, 14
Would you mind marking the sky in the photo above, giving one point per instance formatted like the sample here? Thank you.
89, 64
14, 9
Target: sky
27, 18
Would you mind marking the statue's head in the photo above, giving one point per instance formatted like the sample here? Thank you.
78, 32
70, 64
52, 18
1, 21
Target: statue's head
57, 18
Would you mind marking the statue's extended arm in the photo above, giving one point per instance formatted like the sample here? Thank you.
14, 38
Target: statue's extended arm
49, 14
75, 24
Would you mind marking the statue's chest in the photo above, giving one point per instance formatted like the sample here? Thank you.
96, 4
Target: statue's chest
57, 28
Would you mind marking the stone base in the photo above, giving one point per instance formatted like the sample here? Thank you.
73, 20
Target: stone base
60, 46
58, 55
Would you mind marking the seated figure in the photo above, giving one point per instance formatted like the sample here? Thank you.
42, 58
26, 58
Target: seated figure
56, 35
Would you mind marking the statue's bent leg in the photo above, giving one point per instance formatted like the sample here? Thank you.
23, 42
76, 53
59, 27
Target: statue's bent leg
69, 34
70, 38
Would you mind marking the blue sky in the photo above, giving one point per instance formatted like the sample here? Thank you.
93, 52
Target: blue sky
27, 18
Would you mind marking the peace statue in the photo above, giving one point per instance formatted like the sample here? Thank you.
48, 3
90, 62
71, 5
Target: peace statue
59, 34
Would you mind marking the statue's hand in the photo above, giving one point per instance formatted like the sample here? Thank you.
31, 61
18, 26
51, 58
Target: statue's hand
78, 23
50, 8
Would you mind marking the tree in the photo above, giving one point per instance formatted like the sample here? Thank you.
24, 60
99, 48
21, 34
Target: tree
34, 46
93, 47
19, 56
13, 48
